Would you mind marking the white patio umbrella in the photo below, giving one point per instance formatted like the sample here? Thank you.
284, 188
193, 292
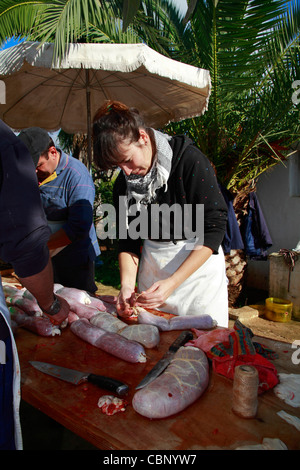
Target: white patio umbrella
66, 95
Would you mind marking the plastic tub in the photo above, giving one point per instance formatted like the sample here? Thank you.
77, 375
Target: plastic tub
278, 309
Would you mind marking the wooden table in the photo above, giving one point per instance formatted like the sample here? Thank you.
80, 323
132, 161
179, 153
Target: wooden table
207, 424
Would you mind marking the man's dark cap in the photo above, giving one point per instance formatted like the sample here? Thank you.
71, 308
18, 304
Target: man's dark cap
37, 141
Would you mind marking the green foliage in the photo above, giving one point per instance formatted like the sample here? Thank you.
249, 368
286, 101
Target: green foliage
108, 273
250, 47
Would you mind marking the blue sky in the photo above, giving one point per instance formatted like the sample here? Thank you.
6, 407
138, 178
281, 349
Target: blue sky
9, 43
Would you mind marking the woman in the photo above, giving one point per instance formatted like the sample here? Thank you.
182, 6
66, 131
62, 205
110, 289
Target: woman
179, 271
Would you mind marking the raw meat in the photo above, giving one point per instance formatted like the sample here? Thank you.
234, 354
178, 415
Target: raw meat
205, 340
28, 295
108, 322
31, 307
10, 290
147, 335
111, 343
82, 303
110, 308
72, 317
111, 299
110, 405
183, 382
97, 303
147, 318
86, 331
37, 324
203, 322
82, 311
76, 294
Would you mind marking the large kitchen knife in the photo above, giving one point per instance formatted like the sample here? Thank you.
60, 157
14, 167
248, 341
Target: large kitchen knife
75, 377
161, 365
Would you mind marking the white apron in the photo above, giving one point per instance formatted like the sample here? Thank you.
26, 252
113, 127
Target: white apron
204, 292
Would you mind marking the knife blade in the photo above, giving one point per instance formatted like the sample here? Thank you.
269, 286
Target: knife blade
76, 377
161, 365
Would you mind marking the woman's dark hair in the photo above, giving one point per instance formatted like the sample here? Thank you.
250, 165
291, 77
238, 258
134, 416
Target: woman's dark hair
113, 123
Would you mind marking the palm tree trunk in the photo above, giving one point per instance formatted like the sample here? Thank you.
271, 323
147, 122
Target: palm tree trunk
236, 260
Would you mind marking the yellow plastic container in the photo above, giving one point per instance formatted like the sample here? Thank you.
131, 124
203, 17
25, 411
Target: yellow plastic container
278, 309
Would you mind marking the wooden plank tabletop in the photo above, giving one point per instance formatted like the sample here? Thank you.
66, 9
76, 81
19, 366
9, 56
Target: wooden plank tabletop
209, 423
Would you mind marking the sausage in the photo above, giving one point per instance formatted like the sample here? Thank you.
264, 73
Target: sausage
72, 317
39, 325
183, 382
147, 335
108, 322
77, 296
111, 343
110, 299
201, 322
82, 311
147, 318
10, 290
86, 331
97, 303
31, 307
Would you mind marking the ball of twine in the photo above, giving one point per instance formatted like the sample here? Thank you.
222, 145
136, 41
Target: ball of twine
245, 390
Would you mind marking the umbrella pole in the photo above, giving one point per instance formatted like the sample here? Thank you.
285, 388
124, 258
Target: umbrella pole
89, 130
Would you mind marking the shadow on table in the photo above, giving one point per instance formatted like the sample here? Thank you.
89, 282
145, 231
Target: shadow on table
40, 432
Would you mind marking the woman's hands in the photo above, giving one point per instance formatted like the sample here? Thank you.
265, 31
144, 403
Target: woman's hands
156, 294
128, 263
151, 298
125, 302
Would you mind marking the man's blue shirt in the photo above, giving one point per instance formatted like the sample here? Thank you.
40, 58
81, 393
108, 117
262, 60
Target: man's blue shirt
68, 197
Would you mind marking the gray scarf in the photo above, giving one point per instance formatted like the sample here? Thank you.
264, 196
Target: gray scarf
143, 188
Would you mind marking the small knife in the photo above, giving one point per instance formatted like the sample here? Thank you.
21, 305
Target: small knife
161, 365
75, 377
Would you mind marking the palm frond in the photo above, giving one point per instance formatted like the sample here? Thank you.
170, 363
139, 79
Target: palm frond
19, 18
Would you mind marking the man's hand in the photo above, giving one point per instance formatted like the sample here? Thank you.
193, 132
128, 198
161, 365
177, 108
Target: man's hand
63, 313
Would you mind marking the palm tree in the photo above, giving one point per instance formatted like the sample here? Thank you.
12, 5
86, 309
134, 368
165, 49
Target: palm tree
251, 48
62, 22
67, 21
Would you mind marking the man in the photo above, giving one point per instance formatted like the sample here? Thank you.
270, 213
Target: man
23, 243
67, 192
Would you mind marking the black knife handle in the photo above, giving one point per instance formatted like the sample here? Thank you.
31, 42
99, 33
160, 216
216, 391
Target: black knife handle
108, 383
183, 338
